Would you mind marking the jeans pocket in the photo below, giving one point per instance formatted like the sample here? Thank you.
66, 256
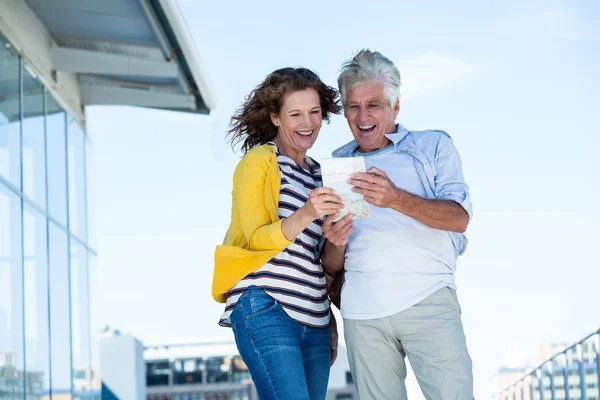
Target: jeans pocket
234, 328
260, 304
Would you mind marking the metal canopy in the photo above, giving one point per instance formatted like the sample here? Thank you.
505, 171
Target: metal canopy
126, 52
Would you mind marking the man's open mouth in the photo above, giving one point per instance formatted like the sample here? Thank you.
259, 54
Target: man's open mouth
365, 129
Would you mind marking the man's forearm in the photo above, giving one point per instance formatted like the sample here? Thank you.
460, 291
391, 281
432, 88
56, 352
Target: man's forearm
445, 215
333, 258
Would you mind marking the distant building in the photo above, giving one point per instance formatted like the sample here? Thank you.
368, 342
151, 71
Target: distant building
213, 370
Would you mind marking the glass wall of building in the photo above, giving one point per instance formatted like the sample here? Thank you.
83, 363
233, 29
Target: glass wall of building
46, 259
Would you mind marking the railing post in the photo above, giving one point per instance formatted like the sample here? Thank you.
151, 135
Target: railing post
579, 348
540, 376
563, 363
523, 389
531, 389
502, 394
551, 374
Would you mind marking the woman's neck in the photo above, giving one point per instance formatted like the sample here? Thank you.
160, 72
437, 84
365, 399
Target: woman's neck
297, 156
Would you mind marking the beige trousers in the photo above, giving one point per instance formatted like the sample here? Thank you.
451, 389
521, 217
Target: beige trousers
430, 334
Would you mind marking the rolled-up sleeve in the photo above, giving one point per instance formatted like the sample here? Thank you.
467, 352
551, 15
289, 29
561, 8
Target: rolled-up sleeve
449, 179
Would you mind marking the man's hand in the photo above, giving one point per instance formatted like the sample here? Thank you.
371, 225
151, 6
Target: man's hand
375, 186
334, 339
337, 232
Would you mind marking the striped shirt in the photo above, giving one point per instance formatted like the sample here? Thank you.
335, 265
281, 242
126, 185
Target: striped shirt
294, 278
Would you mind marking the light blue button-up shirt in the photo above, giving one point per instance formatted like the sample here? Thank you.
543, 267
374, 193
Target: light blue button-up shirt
438, 165
394, 261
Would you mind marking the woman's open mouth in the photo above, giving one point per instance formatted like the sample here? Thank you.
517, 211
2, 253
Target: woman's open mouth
307, 134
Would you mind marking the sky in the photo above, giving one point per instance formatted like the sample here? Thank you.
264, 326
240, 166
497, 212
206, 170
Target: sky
514, 83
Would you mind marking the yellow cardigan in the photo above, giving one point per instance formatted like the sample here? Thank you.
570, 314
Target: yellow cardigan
254, 235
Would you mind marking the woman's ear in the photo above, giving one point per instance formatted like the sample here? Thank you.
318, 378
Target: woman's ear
275, 119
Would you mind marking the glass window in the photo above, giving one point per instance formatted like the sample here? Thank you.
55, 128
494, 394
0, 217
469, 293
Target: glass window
57, 160
189, 371
80, 322
90, 175
60, 326
36, 304
217, 369
157, 373
10, 111
240, 370
34, 152
95, 318
189, 365
76, 153
177, 365
11, 296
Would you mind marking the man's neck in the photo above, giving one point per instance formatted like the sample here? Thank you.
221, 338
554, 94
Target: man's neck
384, 143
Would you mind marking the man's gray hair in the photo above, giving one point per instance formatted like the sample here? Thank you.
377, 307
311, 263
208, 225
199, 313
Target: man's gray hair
367, 66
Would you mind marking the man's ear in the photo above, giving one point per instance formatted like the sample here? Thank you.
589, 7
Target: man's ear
396, 108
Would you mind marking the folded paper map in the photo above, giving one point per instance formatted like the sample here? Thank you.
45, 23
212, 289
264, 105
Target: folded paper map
336, 172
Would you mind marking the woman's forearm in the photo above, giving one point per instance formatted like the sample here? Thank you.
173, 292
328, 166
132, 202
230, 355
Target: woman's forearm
293, 225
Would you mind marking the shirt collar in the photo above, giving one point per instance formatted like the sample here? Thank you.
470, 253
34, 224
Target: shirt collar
397, 136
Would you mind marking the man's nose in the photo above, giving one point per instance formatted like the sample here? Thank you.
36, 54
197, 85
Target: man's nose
362, 114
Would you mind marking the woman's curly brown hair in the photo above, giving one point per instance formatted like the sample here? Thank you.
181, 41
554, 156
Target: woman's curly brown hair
252, 124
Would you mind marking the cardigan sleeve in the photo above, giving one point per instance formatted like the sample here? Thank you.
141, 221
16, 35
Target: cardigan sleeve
258, 227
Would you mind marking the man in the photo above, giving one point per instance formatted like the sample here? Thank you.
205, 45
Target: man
399, 298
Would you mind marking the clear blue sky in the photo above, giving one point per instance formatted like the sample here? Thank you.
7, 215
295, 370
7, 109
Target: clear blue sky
515, 84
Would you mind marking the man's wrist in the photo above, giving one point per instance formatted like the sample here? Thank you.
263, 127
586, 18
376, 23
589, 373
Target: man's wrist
400, 200
334, 247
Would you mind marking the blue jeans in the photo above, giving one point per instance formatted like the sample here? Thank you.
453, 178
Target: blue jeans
287, 360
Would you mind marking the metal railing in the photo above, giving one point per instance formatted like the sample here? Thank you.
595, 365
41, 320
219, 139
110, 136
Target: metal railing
570, 361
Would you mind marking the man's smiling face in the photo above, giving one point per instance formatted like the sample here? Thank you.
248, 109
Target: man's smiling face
370, 115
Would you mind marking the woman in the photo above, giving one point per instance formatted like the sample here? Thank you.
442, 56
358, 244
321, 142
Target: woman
268, 271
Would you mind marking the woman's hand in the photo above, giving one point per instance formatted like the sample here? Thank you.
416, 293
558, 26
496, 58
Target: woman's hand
322, 201
334, 339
